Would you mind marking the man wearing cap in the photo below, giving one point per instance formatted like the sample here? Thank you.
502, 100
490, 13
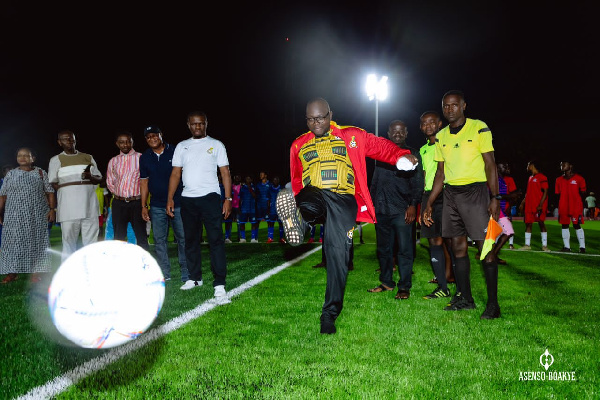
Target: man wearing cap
155, 171
74, 175
123, 181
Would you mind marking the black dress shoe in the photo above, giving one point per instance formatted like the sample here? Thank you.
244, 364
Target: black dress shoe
327, 325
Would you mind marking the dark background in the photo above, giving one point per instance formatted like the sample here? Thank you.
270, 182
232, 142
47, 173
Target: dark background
94, 68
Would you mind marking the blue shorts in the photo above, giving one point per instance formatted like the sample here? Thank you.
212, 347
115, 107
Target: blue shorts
246, 217
262, 213
273, 217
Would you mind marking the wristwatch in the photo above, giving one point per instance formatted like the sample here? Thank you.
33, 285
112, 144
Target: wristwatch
497, 197
228, 198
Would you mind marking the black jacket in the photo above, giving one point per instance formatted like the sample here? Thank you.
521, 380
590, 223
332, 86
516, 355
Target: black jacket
393, 191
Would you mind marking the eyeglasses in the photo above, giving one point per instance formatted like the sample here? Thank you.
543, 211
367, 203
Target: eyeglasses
318, 120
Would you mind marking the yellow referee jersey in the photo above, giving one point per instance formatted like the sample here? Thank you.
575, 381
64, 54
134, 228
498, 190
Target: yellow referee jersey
462, 152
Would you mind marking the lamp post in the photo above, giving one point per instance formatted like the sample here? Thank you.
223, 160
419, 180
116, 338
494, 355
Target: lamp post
378, 90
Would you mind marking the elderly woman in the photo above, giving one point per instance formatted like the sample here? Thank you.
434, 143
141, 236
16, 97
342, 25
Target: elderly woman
27, 204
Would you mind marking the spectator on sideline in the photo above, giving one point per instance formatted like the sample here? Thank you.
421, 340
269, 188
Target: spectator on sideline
274, 189
313, 231
590, 201
196, 162
155, 172
396, 195
359, 228
262, 192
508, 195
510, 198
27, 204
247, 209
571, 188
534, 206
102, 207
235, 207
329, 182
123, 181
466, 170
74, 176
5, 170
430, 125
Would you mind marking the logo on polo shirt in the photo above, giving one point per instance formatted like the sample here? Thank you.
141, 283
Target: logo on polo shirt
210, 151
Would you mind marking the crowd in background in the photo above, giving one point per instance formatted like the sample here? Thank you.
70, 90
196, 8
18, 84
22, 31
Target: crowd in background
80, 199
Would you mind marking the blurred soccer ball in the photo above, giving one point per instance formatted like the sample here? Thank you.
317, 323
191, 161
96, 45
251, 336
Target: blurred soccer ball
106, 294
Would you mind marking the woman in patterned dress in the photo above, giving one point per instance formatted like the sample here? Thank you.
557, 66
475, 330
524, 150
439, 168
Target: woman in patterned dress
27, 204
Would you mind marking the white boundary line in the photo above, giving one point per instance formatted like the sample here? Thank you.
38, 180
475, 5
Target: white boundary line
573, 253
63, 382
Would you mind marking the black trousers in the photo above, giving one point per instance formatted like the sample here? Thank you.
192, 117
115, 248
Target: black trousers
338, 213
394, 238
124, 212
195, 212
324, 258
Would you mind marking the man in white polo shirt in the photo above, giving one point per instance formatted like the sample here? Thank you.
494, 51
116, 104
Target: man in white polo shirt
196, 161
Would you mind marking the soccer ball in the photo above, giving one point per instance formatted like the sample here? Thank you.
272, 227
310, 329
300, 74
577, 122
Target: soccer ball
106, 294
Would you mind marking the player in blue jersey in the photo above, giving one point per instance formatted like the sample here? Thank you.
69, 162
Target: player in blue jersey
262, 203
274, 189
313, 230
247, 208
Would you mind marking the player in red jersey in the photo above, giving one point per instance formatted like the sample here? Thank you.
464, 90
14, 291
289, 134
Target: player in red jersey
535, 205
570, 187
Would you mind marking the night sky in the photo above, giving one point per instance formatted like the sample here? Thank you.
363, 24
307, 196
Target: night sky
94, 68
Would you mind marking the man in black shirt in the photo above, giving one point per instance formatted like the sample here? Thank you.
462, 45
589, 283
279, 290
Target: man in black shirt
396, 195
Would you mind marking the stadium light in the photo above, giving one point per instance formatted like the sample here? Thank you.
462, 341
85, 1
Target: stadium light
378, 90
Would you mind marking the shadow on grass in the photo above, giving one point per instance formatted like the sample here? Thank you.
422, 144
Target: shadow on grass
126, 370
290, 252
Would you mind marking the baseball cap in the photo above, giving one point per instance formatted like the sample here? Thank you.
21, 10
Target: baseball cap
151, 129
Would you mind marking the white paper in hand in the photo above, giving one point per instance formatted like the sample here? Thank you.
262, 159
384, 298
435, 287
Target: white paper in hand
404, 164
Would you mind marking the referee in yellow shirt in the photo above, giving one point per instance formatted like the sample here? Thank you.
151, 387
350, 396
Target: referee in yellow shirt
467, 172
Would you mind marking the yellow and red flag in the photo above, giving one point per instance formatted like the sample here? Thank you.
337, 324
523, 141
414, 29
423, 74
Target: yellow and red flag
494, 229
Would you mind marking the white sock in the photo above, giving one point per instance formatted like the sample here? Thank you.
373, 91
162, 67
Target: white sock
544, 239
580, 237
510, 240
566, 238
527, 238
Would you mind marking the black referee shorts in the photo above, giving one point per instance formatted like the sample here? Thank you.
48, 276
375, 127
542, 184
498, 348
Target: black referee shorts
465, 210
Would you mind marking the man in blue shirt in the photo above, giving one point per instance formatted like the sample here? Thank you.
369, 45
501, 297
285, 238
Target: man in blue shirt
262, 203
274, 189
155, 171
247, 210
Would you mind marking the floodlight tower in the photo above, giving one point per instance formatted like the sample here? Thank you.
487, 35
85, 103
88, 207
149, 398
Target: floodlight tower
378, 90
